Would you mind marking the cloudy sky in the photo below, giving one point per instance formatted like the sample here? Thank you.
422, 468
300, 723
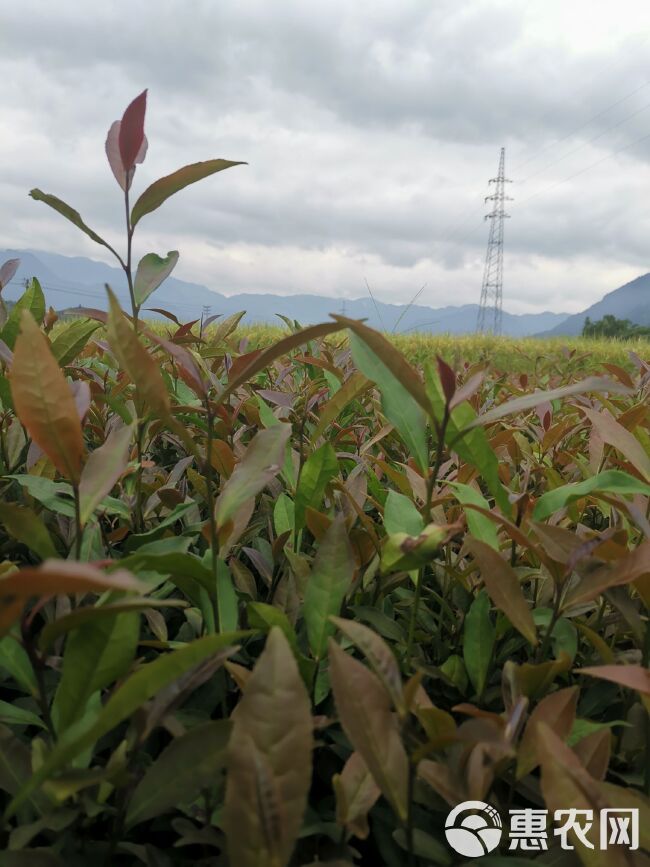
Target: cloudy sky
370, 129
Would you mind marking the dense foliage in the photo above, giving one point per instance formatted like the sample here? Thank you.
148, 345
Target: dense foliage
288, 605
610, 326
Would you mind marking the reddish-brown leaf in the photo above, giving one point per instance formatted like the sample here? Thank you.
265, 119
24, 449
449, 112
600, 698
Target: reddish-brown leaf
44, 402
131, 134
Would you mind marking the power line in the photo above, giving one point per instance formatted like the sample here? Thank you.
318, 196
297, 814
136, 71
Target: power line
576, 129
588, 142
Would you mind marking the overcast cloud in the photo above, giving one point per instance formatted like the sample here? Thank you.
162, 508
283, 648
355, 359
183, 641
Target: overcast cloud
370, 129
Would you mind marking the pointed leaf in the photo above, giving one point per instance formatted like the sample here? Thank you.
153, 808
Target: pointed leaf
277, 350
269, 765
125, 700
557, 710
162, 189
319, 468
351, 389
261, 463
43, 401
131, 132
356, 794
8, 272
97, 653
32, 300
188, 765
364, 708
27, 527
502, 584
136, 361
72, 339
614, 434
607, 482
70, 214
330, 580
629, 676
103, 468
379, 655
529, 401
400, 407
478, 641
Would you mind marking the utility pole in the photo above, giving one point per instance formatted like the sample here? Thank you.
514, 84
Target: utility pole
204, 315
490, 309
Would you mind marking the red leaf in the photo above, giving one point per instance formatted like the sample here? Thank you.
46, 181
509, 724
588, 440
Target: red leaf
447, 379
131, 134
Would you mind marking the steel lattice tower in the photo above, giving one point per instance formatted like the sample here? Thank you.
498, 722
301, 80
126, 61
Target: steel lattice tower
489, 314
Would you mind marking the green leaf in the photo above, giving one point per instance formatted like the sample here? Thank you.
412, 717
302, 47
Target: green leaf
392, 359
270, 762
478, 641
480, 526
85, 613
328, 584
70, 214
607, 482
399, 406
96, 654
32, 300
284, 514
227, 604
16, 769
15, 662
18, 716
102, 470
125, 700
402, 552
189, 764
564, 637
401, 515
47, 492
319, 468
163, 188
28, 528
261, 463
72, 339
342, 395
152, 271
471, 445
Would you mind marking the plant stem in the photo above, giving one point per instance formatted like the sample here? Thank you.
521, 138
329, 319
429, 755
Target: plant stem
441, 430
544, 646
209, 484
409, 818
37, 666
77, 519
413, 618
139, 515
127, 264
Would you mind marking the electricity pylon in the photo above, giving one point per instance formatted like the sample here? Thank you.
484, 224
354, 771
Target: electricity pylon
490, 312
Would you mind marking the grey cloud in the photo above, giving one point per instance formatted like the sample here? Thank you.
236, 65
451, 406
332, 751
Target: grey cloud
370, 128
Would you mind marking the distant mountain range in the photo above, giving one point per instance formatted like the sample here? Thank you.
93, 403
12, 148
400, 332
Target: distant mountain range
631, 301
70, 282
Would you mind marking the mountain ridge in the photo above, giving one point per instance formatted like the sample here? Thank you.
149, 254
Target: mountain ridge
71, 281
